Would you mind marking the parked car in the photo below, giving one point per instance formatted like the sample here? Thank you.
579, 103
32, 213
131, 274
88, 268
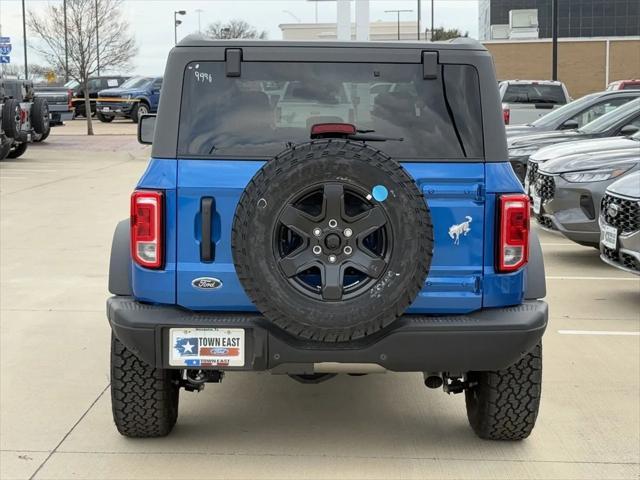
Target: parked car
22, 115
96, 84
60, 106
568, 187
624, 85
575, 114
620, 224
623, 121
312, 258
136, 97
524, 101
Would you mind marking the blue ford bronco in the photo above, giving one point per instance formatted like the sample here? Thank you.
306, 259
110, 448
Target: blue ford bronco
299, 218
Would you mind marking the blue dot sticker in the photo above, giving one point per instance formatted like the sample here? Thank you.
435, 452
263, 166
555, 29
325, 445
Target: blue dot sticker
380, 193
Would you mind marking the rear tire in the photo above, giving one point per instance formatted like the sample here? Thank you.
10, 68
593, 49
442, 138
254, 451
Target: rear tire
5, 146
17, 150
41, 137
144, 399
503, 405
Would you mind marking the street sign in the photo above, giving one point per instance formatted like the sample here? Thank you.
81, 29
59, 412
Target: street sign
5, 59
5, 48
5, 39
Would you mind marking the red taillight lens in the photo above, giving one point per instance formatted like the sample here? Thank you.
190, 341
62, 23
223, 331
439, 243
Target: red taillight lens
147, 208
506, 114
513, 249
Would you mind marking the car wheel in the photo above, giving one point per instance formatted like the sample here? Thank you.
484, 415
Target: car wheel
40, 116
104, 118
144, 399
17, 149
139, 110
503, 405
332, 240
11, 121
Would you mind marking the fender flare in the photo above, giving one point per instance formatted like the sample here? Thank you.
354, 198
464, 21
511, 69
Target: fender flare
120, 263
536, 283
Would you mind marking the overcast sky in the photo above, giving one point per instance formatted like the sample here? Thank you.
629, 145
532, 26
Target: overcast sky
152, 20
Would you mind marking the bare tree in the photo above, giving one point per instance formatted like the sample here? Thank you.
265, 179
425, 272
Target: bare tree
442, 33
234, 29
35, 71
116, 45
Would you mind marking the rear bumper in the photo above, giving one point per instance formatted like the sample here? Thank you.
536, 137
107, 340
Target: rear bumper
489, 339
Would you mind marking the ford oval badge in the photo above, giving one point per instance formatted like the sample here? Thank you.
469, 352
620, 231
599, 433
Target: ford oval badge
206, 283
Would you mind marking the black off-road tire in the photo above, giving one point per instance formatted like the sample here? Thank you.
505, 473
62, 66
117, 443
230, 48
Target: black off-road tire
271, 191
11, 119
5, 146
39, 138
503, 405
17, 150
104, 118
144, 399
40, 116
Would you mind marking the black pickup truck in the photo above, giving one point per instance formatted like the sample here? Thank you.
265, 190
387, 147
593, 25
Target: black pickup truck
60, 107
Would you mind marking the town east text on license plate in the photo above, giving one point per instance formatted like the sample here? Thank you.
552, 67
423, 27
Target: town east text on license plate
206, 347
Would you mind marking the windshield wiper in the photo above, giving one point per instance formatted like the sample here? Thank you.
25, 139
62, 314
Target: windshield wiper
367, 137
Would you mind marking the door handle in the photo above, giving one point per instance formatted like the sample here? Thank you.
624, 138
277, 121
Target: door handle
207, 248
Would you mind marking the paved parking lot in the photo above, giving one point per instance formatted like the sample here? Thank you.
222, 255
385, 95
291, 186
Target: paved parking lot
58, 207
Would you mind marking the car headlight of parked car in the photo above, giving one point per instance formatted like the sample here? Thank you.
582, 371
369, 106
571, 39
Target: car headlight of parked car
598, 175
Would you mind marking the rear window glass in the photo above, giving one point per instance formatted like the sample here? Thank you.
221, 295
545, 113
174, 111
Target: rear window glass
274, 104
530, 93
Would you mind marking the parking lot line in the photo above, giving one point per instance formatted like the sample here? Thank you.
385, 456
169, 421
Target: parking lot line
24, 170
599, 332
12, 178
614, 279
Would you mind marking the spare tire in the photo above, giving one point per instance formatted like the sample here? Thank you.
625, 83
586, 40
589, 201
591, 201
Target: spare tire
332, 240
40, 116
11, 119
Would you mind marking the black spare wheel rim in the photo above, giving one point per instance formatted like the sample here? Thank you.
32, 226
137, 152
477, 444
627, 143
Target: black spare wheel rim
332, 240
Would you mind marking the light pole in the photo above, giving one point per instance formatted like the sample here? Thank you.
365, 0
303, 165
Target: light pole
419, 15
24, 36
398, 12
199, 12
554, 44
432, 19
66, 43
97, 38
177, 22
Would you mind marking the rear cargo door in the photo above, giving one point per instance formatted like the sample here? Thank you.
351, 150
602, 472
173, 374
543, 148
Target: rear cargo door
232, 120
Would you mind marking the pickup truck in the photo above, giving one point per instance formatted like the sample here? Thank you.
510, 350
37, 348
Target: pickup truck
525, 101
136, 97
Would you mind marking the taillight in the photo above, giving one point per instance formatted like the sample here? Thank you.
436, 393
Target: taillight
513, 249
506, 114
146, 228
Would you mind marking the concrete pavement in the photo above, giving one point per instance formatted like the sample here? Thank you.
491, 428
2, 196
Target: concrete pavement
58, 206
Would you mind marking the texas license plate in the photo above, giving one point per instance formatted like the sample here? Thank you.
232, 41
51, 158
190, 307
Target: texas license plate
609, 236
206, 347
537, 202
106, 109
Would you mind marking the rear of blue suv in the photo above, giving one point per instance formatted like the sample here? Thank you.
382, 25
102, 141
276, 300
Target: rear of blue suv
297, 218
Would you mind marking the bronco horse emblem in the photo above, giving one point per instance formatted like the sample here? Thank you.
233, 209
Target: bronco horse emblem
460, 229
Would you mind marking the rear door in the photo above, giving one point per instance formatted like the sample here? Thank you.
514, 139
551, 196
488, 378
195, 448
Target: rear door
230, 126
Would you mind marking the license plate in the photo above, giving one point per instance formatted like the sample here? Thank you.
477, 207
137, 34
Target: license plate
526, 183
609, 236
206, 347
536, 204
106, 109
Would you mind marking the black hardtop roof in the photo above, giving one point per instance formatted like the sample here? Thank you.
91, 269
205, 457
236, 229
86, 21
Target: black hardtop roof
462, 43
